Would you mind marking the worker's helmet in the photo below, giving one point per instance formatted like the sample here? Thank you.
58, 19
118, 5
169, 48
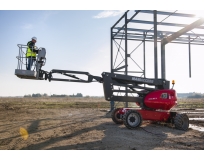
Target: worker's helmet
34, 38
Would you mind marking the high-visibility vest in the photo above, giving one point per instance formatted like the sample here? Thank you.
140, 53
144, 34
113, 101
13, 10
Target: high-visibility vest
30, 53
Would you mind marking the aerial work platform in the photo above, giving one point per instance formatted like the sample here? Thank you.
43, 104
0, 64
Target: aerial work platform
21, 70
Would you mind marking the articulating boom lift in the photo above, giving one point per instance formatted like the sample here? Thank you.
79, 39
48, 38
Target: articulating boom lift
155, 101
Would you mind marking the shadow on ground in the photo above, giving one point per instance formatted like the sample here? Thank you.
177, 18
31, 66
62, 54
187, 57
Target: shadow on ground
104, 136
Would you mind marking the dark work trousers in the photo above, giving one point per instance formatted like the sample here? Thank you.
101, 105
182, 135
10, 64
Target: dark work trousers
30, 62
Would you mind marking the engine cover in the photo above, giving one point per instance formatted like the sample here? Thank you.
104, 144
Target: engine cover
161, 99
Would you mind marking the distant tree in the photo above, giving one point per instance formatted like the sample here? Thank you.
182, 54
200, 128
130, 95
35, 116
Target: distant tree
55, 95
196, 95
36, 95
27, 95
45, 95
79, 95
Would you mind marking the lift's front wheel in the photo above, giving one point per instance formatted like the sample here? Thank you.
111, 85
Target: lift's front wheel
181, 121
116, 116
132, 119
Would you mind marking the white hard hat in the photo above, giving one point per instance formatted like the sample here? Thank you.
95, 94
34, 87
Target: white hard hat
34, 38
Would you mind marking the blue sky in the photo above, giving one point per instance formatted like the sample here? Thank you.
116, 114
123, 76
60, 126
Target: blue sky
73, 41
80, 40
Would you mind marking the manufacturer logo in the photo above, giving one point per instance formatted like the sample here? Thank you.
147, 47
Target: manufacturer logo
142, 80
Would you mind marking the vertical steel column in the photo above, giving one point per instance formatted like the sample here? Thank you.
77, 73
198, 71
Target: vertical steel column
163, 67
144, 56
126, 104
111, 50
112, 106
125, 43
155, 45
189, 58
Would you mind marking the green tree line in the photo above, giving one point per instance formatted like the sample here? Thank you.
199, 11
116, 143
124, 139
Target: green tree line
53, 95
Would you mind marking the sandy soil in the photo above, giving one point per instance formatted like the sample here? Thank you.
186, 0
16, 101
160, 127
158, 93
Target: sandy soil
89, 129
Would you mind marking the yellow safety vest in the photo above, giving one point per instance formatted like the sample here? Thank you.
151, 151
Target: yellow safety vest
30, 53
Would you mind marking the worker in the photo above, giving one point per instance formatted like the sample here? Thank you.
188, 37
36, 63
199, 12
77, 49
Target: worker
31, 52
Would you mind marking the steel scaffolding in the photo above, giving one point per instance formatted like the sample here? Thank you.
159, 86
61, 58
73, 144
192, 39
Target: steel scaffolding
121, 32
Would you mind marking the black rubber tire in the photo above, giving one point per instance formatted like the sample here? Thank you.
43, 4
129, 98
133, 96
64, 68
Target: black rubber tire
181, 121
132, 119
116, 116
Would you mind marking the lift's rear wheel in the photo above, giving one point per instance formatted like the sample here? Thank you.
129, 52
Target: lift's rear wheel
181, 121
132, 119
116, 116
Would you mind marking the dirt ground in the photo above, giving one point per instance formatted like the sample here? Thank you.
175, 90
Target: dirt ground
90, 129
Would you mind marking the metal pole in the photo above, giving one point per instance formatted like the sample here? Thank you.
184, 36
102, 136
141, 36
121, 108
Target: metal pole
126, 104
163, 74
155, 45
189, 58
144, 55
111, 59
111, 49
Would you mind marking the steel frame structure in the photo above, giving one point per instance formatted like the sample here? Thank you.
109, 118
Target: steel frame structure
125, 34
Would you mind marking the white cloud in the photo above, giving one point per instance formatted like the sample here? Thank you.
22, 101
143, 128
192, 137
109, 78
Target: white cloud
27, 26
109, 13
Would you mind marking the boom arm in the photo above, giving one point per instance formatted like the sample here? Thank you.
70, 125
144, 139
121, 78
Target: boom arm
90, 78
111, 80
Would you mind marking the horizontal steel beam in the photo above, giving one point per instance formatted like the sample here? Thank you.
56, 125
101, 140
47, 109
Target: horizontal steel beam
164, 23
139, 34
166, 32
159, 38
160, 41
142, 37
187, 40
182, 31
170, 13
